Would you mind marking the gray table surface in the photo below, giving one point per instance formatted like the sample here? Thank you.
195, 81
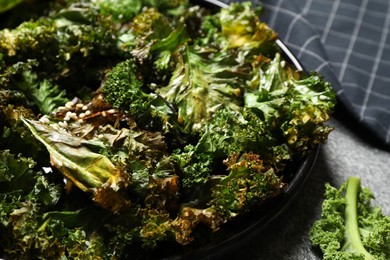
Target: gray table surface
347, 152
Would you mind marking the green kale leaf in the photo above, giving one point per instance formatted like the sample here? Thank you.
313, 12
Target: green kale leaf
202, 83
299, 103
124, 89
79, 162
350, 227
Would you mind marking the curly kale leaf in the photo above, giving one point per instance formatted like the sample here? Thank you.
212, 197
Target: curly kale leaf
238, 27
124, 11
248, 184
36, 233
25, 88
350, 227
14, 135
235, 132
70, 52
312, 102
78, 160
297, 102
44, 95
195, 169
202, 83
375, 229
153, 40
124, 89
21, 183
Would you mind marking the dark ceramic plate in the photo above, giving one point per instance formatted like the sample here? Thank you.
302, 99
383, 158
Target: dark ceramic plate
220, 243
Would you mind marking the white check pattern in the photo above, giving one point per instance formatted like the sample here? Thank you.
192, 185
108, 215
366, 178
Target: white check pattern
348, 42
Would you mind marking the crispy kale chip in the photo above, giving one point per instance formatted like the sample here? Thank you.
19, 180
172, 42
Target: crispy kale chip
156, 38
195, 169
238, 27
242, 28
26, 192
124, 89
44, 96
80, 162
20, 181
202, 83
239, 131
228, 133
297, 102
350, 227
14, 135
70, 47
249, 183
124, 11
21, 86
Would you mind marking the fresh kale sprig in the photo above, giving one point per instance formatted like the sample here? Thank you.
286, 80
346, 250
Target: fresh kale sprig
351, 227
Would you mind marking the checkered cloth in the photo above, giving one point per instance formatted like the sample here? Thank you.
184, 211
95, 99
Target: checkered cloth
348, 42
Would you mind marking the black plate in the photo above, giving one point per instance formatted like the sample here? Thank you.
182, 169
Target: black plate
220, 243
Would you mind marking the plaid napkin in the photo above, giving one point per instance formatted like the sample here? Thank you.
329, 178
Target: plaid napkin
348, 42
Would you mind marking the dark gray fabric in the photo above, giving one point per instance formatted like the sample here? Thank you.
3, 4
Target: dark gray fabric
348, 42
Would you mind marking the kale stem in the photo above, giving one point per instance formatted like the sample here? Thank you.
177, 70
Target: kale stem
351, 217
